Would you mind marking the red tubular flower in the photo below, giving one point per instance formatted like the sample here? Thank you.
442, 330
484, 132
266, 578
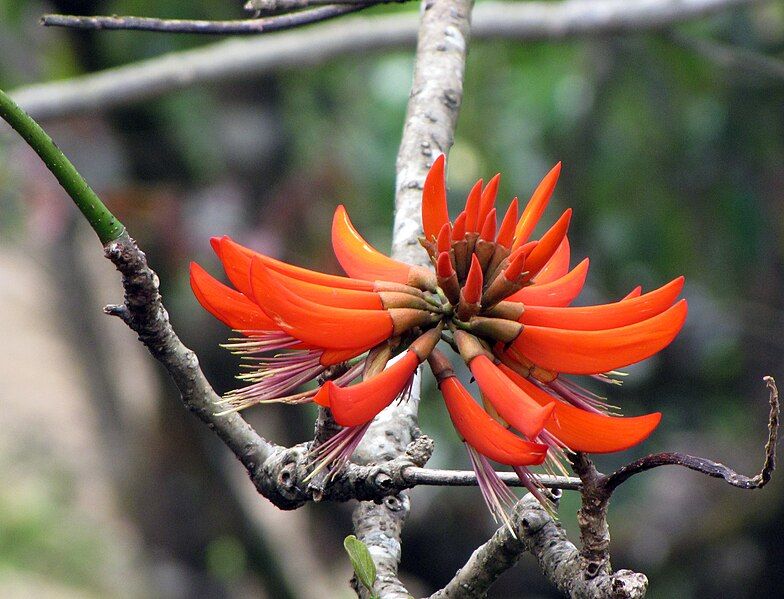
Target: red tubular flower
511, 403
557, 266
597, 351
560, 292
435, 213
483, 433
499, 297
227, 305
536, 206
352, 406
636, 292
580, 430
507, 229
472, 207
338, 328
362, 261
607, 316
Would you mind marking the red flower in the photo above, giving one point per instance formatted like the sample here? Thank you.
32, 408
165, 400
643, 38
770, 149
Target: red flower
500, 299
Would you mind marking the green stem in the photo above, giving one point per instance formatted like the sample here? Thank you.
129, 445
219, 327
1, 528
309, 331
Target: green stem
103, 222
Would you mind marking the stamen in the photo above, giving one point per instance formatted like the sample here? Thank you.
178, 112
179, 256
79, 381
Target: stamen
496, 494
335, 453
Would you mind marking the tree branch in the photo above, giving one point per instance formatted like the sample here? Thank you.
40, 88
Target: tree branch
238, 27
536, 531
433, 106
239, 59
706, 466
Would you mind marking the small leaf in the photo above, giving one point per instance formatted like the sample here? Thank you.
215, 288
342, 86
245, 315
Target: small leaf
361, 560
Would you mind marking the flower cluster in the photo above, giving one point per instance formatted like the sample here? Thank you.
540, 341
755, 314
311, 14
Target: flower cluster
498, 298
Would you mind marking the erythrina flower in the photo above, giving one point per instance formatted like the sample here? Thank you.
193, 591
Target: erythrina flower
499, 298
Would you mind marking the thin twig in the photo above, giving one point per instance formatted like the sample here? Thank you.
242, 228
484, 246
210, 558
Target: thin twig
240, 59
741, 60
268, 7
706, 466
237, 27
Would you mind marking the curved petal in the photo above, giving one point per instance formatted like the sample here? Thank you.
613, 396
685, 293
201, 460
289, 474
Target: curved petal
557, 266
536, 206
636, 292
586, 431
560, 292
330, 357
472, 207
239, 262
323, 326
435, 213
358, 404
548, 245
330, 296
227, 305
487, 200
483, 433
593, 352
361, 260
511, 403
506, 231
605, 316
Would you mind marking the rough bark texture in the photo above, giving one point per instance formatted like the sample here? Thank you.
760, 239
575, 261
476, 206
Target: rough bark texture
436, 93
143, 311
536, 532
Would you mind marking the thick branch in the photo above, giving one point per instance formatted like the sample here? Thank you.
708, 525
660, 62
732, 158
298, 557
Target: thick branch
433, 106
239, 59
560, 561
239, 27
143, 311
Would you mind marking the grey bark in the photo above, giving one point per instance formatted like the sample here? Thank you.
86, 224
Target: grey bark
535, 531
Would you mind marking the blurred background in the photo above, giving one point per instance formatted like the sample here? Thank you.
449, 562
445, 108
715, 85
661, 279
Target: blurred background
673, 163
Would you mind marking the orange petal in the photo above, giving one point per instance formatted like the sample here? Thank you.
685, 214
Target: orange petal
444, 240
560, 292
444, 267
483, 433
435, 213
330, 296
605, 316
227, 305
239, 262
548, 244
487, 200
323, 326
506, 232
330, 357
472, 290
587, 431
511, 403
472, 207
358, 404
557, 266
636, 292
592, 352
358, 258
488, 227
516, 264
459, 230
536, 206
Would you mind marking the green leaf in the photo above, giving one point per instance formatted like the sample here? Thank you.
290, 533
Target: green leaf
361, 560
